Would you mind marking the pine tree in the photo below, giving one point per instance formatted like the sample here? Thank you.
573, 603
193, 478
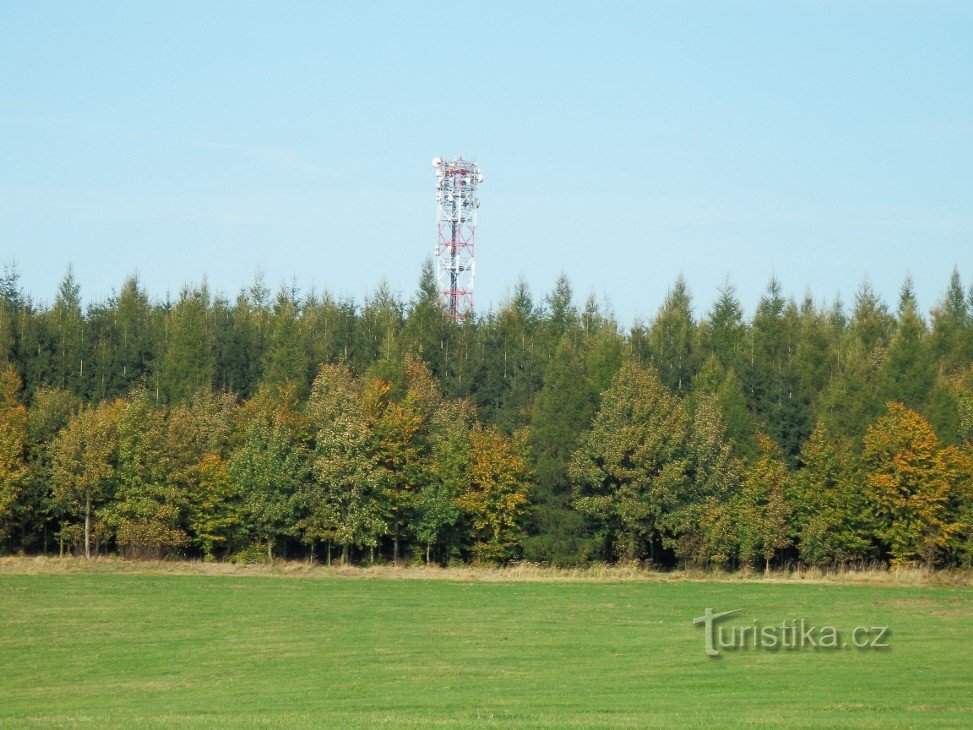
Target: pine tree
188, 364
771, 382
908, 373
562, 410
67, 328
286, 360
673, 340
427, 331
724, 332
871, 324
952, 328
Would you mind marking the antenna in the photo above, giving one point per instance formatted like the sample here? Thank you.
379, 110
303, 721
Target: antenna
456, 206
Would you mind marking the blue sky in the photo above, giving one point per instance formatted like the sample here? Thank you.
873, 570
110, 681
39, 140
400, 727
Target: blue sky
622, 143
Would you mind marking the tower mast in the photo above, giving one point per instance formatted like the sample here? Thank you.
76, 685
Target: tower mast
456, 208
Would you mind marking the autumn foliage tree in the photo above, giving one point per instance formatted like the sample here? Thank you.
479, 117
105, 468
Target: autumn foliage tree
83, 468
496, 498
910, 480
13, 441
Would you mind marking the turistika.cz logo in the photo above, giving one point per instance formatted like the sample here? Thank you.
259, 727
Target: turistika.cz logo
787, 635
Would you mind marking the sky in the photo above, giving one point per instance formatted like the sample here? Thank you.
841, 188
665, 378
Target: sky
622, 144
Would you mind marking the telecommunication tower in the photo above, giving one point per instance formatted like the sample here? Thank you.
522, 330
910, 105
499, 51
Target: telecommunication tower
456, 205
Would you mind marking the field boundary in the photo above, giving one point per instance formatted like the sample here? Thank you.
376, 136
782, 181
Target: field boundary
518, 572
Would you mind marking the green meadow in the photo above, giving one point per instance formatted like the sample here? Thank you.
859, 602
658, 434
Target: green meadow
210, 650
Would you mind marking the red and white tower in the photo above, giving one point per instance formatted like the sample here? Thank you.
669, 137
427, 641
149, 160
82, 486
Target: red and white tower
456, 205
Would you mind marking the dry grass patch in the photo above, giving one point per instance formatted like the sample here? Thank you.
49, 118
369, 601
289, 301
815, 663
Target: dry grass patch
517, 572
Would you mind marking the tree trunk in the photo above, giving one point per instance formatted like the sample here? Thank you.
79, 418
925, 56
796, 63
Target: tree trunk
395, 548
766, 566
329, 553
344, 553
371, 554
270, 549
87, 527
427, 553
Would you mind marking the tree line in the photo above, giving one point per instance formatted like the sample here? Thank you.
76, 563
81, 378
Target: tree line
305, 424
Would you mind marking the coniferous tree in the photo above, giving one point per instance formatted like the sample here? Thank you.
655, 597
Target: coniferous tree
907, 374
723, 332
286, 360
771, 382
562, 410
673, 340
67, 331
427, 331
952, 328
188, 364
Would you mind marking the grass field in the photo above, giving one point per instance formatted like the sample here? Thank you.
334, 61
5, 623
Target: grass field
176, 650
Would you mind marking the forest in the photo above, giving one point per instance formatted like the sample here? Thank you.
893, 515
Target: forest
300, 424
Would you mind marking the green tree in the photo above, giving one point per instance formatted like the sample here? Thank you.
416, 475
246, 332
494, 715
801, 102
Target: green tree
13, 448
448, 477
830, 513
286, 360
762, 512
347, 499
673, 341
427, 331
908, 373
562, 410
83, 467
215, 513
723, 333
952, 327
149, 502
70, 346
699, 524
771, 382
269, 469
188, 364
631, 464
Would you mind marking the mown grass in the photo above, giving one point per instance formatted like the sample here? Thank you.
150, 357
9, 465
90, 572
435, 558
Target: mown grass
116, 648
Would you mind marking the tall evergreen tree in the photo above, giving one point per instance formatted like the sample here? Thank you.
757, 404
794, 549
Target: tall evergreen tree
188, 364
673, 339
952, 327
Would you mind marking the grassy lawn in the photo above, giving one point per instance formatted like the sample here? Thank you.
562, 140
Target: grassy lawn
177, 650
